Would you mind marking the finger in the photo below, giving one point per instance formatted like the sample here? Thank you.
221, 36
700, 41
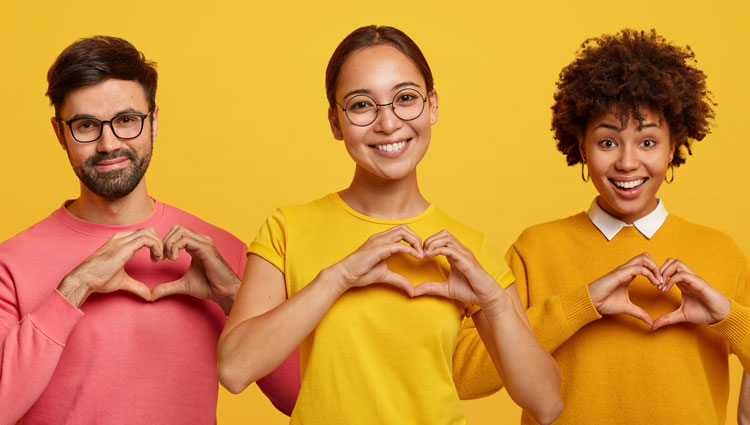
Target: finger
626, 275
437, 235
669, 319
387, 250
686, 281
144, 239
399, 281
439, 289
137, 240
666, 264
404, 233
645, 260
675, 267
638, 313
133, 286
167, 289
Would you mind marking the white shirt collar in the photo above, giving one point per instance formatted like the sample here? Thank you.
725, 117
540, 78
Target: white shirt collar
610, 226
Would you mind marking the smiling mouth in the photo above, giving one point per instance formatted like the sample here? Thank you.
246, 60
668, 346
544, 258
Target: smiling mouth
391, 147
628, 185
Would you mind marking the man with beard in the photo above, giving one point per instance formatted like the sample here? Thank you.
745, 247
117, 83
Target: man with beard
111, 307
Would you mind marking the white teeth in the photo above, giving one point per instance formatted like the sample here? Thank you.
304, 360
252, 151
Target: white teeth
391, 146
629, 184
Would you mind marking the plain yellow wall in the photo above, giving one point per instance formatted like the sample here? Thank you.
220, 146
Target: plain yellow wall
243, 109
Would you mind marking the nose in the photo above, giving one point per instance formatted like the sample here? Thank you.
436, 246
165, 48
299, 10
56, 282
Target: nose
628, 159
387, 122
107, 142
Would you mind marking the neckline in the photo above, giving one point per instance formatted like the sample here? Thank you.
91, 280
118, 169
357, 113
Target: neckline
336, 198
104, 230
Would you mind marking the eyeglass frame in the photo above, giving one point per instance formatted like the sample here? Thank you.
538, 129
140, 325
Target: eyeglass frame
378, 105
111, 127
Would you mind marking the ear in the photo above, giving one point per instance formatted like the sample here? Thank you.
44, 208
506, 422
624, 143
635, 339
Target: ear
672, 148
581, 148
333, 120
59, 129
433, 101
155, 123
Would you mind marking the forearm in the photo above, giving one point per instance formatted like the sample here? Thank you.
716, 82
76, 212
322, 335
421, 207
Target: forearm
743, 406
257, 345
529, 373
30, 354
557, 318
736, 329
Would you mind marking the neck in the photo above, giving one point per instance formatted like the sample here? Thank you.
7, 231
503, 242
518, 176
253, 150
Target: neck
130, 209
385, 198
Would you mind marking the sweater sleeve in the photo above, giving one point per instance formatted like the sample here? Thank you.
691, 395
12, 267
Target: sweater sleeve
736, 327
557, 317
30, 346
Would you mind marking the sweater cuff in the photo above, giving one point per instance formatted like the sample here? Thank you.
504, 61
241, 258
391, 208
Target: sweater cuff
736, 326
56, 317
578, 308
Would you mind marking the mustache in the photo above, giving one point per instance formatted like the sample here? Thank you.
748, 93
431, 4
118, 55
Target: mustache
104, 156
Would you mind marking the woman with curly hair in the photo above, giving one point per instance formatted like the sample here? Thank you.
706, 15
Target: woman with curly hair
640, 308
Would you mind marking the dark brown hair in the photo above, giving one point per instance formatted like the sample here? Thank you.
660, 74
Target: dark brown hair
92, 60
373, 36
620, 73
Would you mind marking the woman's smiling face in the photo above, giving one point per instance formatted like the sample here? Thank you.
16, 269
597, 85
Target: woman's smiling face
389, 148
627, 165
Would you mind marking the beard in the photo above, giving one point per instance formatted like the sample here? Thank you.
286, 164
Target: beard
113, 184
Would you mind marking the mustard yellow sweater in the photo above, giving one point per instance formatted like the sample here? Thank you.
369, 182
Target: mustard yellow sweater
615, 370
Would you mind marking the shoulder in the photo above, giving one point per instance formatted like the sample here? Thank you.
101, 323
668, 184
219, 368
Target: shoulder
38, 233
708, 237
562, 228
472, 238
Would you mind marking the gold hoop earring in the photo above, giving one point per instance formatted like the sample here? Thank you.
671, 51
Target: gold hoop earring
588, 176
665, 176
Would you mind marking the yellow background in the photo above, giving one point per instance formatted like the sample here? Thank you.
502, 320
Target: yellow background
243, 127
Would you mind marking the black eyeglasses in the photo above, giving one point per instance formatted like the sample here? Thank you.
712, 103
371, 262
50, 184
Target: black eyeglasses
362, 110
124, 126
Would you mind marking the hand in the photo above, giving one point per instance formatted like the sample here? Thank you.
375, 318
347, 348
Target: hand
610, 293
208, 277
102, 271
701, 302
467, 281
367, 265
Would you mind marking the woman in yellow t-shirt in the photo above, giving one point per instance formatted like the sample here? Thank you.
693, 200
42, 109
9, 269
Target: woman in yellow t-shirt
337, 276
640, 308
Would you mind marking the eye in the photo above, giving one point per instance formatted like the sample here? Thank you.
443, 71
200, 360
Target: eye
126, 120
648, 143
84, 125
607, 144
360, 104
406, 98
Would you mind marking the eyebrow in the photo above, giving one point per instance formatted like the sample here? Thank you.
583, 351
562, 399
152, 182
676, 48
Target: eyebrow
122, 112
618, 129
396, 87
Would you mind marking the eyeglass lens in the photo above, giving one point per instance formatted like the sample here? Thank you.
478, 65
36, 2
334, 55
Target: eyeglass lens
362, 110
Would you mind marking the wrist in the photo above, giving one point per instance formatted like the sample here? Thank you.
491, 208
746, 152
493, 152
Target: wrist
74, 290
500, 305
335, 279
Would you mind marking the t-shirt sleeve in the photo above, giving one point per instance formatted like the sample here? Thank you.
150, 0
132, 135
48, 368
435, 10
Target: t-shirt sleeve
270, 242
492, 262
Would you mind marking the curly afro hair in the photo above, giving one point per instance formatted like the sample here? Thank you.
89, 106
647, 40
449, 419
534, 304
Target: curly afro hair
620, 73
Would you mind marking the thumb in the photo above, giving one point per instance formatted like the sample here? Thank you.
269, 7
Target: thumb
166, 289
135, 287
669, 319
639, 313
432, 288
399, 281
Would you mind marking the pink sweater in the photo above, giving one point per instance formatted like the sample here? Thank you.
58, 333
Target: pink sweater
118, 359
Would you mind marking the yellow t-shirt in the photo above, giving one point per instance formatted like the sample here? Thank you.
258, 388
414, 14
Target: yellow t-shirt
377, 356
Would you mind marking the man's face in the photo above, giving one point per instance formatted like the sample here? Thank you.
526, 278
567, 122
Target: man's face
109, 167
